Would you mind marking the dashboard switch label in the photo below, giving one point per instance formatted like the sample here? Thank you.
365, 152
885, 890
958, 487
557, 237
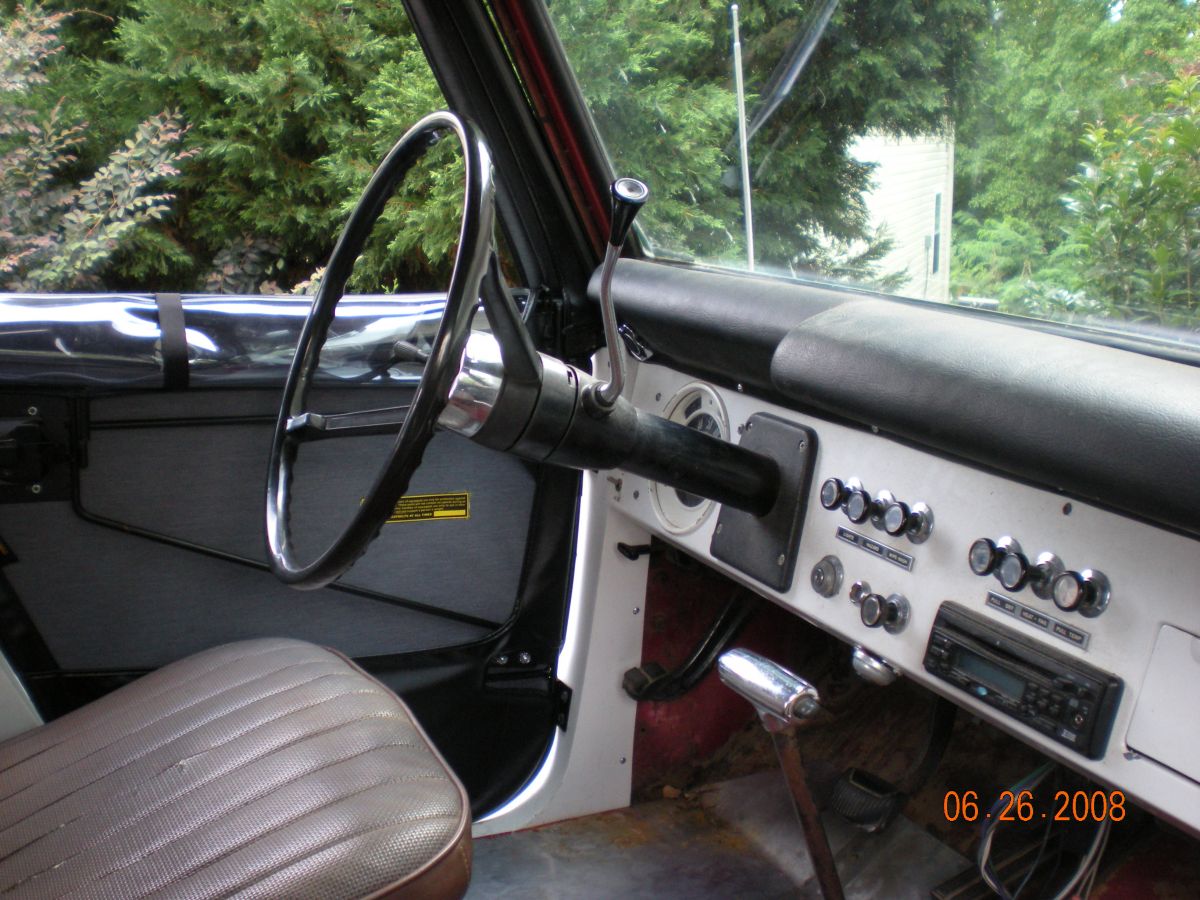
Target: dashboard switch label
1039, 620
895, 557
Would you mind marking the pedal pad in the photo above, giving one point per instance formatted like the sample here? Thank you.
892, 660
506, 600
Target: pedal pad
866, 800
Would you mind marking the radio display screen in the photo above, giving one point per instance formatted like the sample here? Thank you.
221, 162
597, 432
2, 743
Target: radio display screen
990, 675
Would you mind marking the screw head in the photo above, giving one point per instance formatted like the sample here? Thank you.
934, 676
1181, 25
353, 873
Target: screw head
33, 411
524, 657
35, 488
637, 610
502, 660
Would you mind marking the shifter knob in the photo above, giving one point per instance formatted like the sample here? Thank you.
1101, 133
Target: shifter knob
628, 197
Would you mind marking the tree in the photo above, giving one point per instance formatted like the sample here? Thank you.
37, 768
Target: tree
657, 77
1044, 70
290, 121
55, 234
1135, 210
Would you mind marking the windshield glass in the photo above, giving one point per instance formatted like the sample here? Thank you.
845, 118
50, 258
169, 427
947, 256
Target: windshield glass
1036, 157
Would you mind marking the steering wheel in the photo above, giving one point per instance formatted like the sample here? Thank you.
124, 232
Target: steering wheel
494, 388
295, 424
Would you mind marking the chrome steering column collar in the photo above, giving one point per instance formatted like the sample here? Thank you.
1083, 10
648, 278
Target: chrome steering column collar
476, 389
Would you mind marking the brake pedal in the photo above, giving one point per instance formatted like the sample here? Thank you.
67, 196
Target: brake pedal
866, 800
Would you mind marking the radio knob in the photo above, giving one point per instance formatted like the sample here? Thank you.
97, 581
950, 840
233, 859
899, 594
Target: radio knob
1086, 592
983, 556
1013, 570
858, 505
833, 493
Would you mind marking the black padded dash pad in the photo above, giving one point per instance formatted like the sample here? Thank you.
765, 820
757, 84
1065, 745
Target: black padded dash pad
765, 547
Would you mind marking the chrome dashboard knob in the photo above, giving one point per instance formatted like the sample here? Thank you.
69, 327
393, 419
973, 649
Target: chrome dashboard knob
1013, 570
1086, 592
859, 505
895, 518
915, 522
890, 613
1046, 568
833, 493
983, 556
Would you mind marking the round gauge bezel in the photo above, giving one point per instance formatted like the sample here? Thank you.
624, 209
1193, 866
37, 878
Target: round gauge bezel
670, 507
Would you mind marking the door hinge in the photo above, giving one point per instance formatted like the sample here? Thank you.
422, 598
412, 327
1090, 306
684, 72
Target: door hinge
562, 704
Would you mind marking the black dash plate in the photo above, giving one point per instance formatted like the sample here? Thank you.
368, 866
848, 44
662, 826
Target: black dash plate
765, 547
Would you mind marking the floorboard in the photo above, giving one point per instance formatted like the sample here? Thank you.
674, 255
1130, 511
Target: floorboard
735, 839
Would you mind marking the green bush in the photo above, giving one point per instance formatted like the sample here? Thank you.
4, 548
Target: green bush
1135, 210
55, 235
294, 102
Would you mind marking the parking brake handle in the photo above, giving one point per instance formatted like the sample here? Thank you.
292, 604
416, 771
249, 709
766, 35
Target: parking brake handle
782, 700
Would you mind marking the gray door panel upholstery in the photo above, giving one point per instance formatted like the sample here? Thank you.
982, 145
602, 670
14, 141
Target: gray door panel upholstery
102, 599
189, 470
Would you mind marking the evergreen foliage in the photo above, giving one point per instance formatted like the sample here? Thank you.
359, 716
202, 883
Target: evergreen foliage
658, 73
1050, 73
294, 104
1076, 187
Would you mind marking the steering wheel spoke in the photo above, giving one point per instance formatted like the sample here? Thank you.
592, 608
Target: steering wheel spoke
311, 426
412, 425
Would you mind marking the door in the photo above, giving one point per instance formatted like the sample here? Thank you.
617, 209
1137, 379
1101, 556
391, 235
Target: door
135, 420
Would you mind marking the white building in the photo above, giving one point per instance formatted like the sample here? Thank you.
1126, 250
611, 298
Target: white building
912, 197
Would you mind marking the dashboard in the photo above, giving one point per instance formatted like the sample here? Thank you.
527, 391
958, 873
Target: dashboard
960, 599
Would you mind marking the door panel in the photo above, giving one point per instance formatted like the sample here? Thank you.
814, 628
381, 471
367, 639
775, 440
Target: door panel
104, 600
151, 545
205, 485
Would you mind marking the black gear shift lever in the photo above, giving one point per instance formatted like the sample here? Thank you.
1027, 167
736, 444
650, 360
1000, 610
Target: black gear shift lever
628, 197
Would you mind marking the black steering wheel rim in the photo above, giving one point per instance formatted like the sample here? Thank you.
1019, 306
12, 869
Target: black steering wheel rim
441, 369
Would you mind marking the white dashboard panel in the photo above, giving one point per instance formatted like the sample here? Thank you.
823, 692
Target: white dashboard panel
1154, 574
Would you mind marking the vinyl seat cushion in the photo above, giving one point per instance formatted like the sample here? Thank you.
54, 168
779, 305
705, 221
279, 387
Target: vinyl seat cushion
265, 768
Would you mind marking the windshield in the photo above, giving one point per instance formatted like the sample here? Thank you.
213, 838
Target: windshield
1035, 157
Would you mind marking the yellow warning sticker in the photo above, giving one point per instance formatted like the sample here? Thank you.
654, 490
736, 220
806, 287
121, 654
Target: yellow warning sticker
423, 507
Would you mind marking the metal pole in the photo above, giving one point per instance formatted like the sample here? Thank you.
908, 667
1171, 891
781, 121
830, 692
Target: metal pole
747, 211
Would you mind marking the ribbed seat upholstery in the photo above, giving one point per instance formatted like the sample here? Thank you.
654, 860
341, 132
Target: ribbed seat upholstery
268, 768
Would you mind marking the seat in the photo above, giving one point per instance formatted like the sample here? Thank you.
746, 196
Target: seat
266, 768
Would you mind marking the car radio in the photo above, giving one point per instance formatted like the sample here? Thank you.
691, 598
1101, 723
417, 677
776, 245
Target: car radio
1062, 698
